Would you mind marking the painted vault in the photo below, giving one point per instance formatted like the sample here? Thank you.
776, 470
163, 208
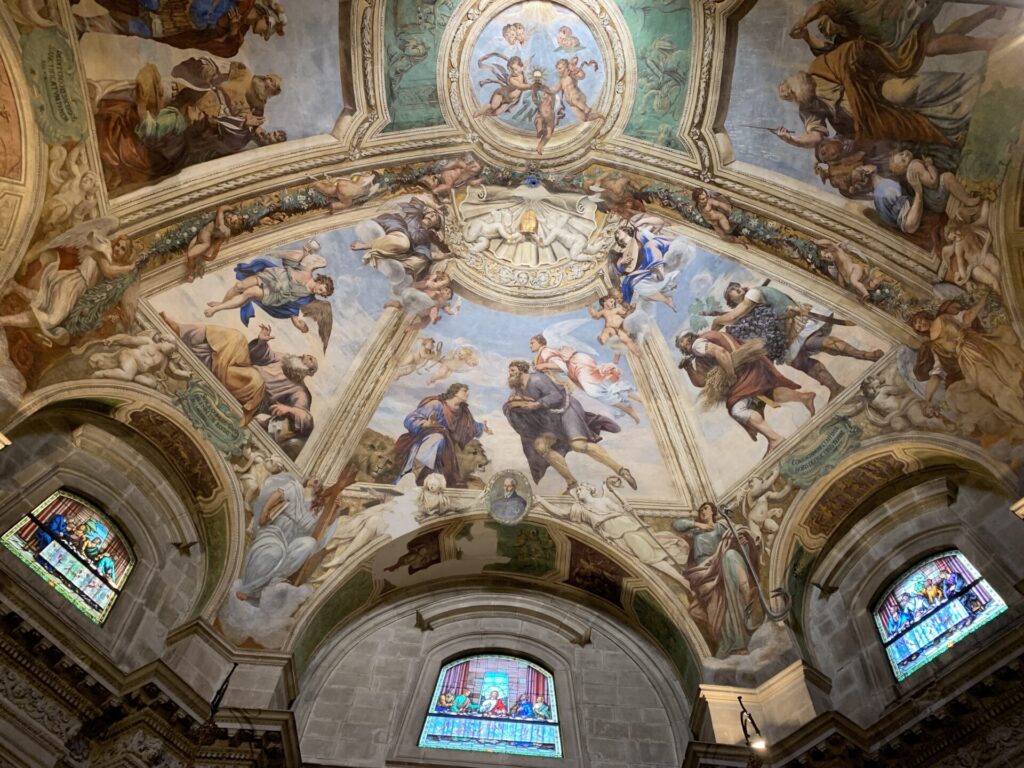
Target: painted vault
643, 277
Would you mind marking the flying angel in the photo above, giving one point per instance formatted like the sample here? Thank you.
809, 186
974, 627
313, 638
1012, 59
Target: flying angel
459, 358
283, 288
558, 351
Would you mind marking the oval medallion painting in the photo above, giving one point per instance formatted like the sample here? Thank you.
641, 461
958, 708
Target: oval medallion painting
536, 67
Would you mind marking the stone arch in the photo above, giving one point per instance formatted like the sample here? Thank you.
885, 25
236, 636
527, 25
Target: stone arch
359, 585
163, 587
845, 583
862, 481
192, 469
390, 693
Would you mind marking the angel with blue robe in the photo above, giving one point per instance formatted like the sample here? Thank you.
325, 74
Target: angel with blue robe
283, 285
647, 262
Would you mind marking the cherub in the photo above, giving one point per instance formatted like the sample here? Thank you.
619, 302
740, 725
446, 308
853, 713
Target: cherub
72, 191
545, 119
426, 351
716, 209
443, 302
253, 468
890, 405
455, 175
967, 253
846, 269
208, 241
516, 34
459, 359
497, 224
144, 358
344, 193
614, 313
567, 41
511, 83
615, 192
762, 520
426, 299
922, 173
570, 72
433, 499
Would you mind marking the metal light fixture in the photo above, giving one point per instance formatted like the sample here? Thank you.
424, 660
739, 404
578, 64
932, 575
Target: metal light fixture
747, 722
1017, 507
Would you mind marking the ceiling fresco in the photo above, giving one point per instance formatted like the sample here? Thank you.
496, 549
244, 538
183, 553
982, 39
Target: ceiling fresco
190, 86
565, 296
886, 103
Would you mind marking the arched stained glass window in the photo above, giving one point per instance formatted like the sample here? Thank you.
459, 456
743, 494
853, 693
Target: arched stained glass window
76, 549
931, 608
492, 703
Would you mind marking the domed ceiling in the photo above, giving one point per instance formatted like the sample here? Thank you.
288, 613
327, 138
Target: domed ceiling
506, 292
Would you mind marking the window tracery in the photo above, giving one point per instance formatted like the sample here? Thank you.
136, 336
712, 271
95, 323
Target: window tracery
494, 703
76, 549
931, 608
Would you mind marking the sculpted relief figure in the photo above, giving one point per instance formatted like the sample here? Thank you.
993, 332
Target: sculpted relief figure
755, 503
604, 512
496, 225
353, 533
253, 468
432, 499
72, 191
146, 358
73, 262
528, 226
343, 193
889, 403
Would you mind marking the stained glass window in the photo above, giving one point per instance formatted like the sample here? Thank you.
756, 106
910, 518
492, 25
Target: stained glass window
76, 549
931, 608
493, 703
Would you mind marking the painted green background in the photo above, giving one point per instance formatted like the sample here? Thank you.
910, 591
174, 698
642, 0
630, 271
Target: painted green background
661, 33
412, 32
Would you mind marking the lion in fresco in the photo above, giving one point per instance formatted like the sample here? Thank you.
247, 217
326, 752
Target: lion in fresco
472, 459
374, 458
